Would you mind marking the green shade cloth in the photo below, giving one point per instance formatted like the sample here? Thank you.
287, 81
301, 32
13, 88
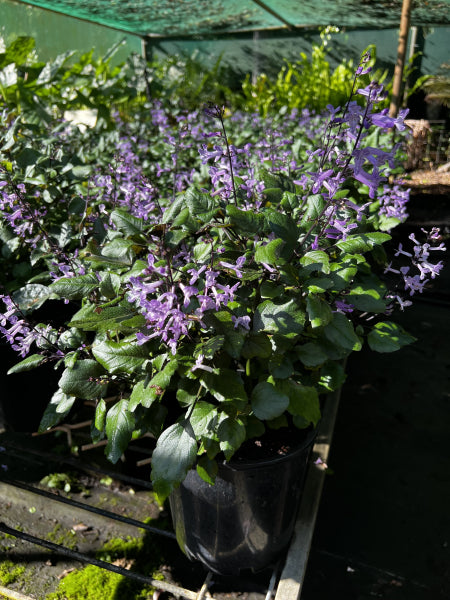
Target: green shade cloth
189, 18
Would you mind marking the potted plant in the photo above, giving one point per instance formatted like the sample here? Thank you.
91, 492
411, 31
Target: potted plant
218, 316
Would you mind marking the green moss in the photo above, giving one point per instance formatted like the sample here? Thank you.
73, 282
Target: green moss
92, 583
9, 572
62, 537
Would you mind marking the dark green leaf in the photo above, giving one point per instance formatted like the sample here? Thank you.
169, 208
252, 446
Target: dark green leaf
319, 311
173, 456
388, 337
82, 380
126, 222
363, 242
286, 319
57, 409
30, 362
119, 430
270, 253
267, 401
246, 222
231, 433
340, 332
74, 288
120, 357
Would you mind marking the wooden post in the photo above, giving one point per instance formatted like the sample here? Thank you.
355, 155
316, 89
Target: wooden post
401, 54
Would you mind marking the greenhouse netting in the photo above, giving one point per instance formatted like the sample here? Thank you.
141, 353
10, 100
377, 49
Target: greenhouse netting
188, 18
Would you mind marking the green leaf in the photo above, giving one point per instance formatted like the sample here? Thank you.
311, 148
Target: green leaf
332, 375
119, 430
363, 242
319, 311
303, 400
100, 415
316, 260
31, 296
274, 317
388, 337
145, 393
225, 386
246, 222
231, 433
82, 380
207, 469
126, 222
283, 226
120, 357
111, 318
203, 419
30, 362
201, 206
366, 297
57, 409
174, 455
75, 288
257, 344
110, 285
267, 401
314, 209
311, 354
270, 253
341, 333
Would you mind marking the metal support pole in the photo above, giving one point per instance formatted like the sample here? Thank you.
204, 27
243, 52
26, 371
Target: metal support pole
405, 21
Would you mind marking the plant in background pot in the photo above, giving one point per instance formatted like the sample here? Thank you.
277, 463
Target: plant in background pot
214, 318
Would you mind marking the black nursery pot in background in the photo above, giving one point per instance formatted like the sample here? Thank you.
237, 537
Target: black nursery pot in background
246, 519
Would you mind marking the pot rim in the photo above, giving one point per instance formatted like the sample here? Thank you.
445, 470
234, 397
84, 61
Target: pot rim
260, 463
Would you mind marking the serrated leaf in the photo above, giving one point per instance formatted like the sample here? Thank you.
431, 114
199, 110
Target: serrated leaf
227, 385
75, 288
30, 362
268, 402
120, 357
203, 419
111, 318
246, 222
126, 222
31, 296
82, 380
174, 455
119, 430
146, 392
363, 242
283, 226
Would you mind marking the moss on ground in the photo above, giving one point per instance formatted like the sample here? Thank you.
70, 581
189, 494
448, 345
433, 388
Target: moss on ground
92, 583
10, 572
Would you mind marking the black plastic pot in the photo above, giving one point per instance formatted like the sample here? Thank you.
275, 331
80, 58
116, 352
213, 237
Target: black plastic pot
246, 520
